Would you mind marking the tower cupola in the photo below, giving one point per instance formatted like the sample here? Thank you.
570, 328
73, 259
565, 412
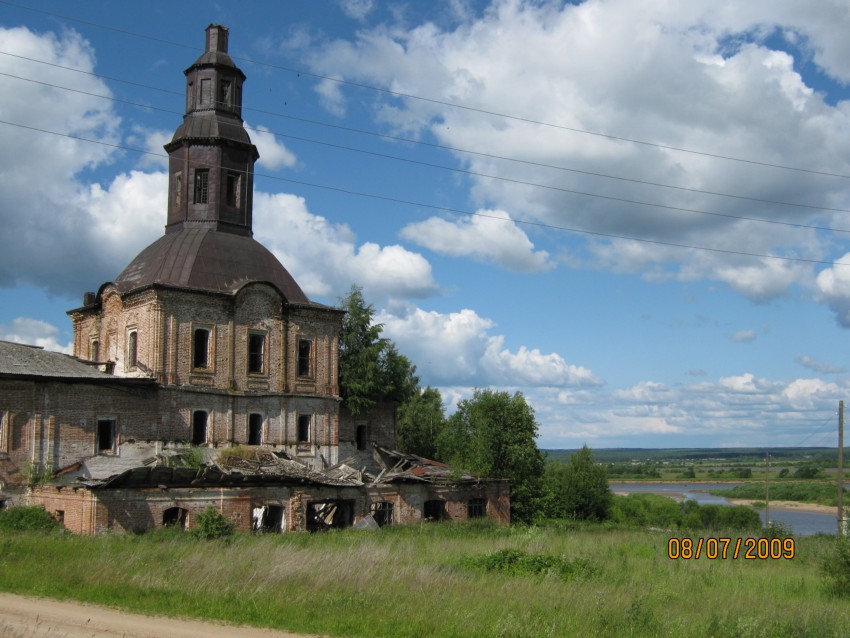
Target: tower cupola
211, 157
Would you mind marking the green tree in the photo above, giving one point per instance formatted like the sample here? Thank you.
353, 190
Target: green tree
370, 367
578, 489
493, 435
420, 421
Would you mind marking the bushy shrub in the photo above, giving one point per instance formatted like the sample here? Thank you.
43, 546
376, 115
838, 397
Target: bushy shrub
27, 519
212, 524
517, 562
836, 568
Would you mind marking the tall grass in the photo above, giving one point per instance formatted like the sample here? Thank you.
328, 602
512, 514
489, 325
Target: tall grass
823, 493
426, 581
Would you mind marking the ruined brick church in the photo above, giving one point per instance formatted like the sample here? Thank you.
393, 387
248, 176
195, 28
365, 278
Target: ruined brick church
204, 376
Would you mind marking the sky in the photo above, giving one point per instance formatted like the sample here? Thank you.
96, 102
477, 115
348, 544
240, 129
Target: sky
634, 212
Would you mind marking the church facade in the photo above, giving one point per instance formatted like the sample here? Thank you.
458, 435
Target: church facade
205, 342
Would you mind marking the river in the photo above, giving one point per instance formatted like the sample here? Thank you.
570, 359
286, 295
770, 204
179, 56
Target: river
801, 523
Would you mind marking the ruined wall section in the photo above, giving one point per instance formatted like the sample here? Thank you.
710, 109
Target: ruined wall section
359, 433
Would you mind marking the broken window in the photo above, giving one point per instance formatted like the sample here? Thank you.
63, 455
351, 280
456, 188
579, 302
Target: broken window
201, 348
175, 517
255, 429
199, 427
304, 348
106, 435
59, 515
202, 185
382, 512
232, 188
304, 421
256, 352
268, 519
132, 349
476, 508
360, 437
332, 514
434, 510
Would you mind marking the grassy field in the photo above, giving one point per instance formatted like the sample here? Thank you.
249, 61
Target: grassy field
432, 580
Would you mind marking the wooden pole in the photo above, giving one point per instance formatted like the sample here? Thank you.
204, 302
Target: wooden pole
842, 531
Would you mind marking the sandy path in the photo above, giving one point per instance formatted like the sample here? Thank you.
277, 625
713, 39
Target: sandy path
24, 617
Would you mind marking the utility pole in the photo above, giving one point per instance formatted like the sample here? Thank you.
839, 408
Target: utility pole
842, 528
767, 490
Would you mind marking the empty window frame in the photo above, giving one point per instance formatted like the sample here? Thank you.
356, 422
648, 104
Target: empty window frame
105, 436
255, 429
175, 517
304, 423
232, 188
225, 91
332, 514
476, 508
94, 350
202, 185
360, 437
256, 352
305, 350
382, 512
201, 348
132, 349
200, 419
434, 510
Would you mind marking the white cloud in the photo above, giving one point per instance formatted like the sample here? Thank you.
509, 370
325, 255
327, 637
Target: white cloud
273, 153
490, 236
697, 75
34, 332
744, 336
325, 259
152, 143
458, 348
833, 284
357, 9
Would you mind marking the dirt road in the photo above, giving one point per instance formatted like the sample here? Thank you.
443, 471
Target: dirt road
23, 617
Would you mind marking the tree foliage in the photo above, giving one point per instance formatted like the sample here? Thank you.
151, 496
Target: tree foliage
370, 367
420, 422
578, 489
493, 434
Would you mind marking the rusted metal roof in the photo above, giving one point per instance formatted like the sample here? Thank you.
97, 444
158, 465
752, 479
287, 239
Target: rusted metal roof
209, 260
211, 126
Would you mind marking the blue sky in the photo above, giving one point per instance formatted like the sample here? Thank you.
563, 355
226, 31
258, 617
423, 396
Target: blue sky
635, 212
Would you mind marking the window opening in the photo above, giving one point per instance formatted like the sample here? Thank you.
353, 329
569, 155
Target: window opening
304, 427
202, 185
232, 184
256, 348
132, 349
105, 435
434, 510
476, 508
199, 427
360, 437
382, 512
94, 350
255, 429
59, 515
175, 517
224, 93
332, 514
201, 348
178, 188
268, 519
304, 348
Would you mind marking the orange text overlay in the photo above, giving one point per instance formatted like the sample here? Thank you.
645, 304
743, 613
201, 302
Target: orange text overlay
746, 548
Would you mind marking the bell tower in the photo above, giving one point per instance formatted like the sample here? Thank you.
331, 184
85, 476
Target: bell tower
211, 157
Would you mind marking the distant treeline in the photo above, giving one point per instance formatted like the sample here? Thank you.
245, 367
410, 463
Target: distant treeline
736, 454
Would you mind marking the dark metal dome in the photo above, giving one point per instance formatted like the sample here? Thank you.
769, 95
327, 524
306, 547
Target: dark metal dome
209, 260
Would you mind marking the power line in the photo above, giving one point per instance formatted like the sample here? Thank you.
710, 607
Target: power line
300, 72
623, 200
458, 211
448, 148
